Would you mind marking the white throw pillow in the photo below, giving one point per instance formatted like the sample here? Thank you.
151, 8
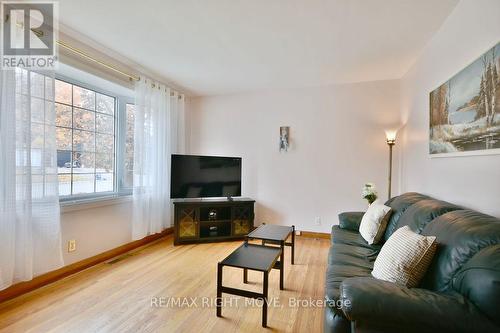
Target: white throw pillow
405, 257
374, 222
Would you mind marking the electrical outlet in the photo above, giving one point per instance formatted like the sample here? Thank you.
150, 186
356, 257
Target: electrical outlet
72, 245
298, 232
317, 221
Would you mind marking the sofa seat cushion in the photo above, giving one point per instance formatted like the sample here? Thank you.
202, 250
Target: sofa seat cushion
335, 322
348, 237
350, 255
357, 251
394, 308
337, 273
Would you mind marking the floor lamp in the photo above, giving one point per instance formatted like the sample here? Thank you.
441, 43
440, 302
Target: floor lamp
391, 141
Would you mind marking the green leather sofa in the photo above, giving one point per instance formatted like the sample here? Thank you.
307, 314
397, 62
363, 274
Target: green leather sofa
459, 293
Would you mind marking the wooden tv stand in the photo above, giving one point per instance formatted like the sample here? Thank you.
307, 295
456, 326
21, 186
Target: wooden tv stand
212, 220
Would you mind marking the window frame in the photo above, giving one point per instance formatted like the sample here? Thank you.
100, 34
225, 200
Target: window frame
119, 145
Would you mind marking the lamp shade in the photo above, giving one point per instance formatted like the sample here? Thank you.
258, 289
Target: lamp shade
390, 136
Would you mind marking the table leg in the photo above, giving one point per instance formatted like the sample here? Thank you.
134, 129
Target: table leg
282, 265
245, 275
293, 244
218, 300
264, 306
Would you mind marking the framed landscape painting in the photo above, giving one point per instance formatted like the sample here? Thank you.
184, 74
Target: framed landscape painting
465, 110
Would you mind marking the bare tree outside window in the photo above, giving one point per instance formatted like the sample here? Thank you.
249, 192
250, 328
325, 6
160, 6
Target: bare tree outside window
85, 135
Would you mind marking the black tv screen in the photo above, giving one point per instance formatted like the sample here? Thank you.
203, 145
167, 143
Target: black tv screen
205, 176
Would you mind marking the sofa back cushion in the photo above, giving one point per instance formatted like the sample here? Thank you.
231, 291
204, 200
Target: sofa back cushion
398, 205
479, 281
421, 213
460, 234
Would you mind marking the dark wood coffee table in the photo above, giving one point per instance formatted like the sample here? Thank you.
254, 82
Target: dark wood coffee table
275, 234
254, 257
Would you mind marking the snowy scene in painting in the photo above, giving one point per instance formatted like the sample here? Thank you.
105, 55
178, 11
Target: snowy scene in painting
465, 110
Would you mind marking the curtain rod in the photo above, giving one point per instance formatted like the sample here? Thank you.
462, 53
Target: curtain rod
87, 56
83, 54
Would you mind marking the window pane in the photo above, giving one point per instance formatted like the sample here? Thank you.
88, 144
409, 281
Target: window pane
104, 162
83, 183
49, 89
50, 113
129, 145
64, 161
104, 182
37, 186
37, 110
21, 81
63, 92
37, 135
105, 143
105, 123
50, 141
83, 141
84, 119
105, 104
63, 138
63, 115
83, 98
37, 85
36, 160
64, 184
83, 162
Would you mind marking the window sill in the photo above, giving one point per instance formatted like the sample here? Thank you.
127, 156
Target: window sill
81, 204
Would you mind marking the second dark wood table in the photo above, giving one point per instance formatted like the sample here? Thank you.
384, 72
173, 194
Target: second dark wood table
275, 234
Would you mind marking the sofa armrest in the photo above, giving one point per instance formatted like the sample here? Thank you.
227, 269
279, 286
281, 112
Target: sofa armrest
350, 220
368, 300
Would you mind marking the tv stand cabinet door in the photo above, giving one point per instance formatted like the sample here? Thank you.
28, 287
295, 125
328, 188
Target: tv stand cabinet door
242, 221
188, 226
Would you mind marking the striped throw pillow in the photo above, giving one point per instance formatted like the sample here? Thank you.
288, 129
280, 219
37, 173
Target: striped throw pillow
404, 258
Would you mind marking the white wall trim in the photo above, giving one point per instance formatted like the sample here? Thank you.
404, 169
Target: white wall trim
81, 204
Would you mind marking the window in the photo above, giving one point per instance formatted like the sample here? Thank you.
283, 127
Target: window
94, 134
85, 135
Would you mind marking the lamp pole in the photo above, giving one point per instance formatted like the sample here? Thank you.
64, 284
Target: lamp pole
390, 142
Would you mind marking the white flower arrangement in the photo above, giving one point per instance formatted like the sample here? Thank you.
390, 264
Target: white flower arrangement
369, 192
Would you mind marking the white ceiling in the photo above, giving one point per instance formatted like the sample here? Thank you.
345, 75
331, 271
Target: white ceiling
213, 47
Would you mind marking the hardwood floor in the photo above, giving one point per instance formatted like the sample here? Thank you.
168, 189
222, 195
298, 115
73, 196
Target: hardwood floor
120, 295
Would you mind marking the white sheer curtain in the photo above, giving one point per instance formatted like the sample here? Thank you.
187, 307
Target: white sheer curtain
158, 132
30, 232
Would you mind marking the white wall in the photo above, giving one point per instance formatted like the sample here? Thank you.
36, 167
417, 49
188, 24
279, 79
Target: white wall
338, 143
470, 30
96, 230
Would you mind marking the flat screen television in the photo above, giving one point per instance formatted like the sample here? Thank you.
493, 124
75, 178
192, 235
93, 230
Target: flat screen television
205, 176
